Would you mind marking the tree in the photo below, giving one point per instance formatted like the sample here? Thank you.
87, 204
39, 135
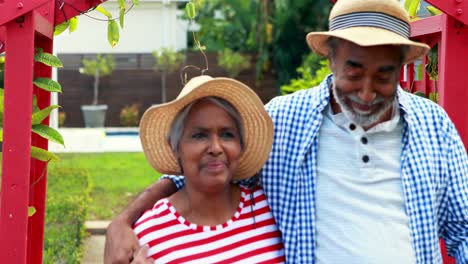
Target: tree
166, 61
99, 67
233, 62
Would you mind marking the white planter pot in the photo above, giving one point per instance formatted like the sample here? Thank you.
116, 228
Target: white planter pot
94, 115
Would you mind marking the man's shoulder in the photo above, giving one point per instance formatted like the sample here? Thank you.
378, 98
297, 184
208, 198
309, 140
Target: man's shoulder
417, 106
424, 114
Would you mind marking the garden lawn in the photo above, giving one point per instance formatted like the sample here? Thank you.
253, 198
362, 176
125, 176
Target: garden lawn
115, 179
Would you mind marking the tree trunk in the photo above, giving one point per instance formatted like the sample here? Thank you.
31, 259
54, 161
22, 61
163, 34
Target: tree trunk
96, 87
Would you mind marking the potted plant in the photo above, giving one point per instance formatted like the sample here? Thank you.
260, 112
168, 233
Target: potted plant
166, 61
95, 114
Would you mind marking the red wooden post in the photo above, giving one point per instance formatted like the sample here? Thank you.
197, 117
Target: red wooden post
453, 67
44, 26
17, 139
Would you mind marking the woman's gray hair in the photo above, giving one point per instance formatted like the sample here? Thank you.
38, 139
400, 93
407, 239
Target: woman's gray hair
177, 127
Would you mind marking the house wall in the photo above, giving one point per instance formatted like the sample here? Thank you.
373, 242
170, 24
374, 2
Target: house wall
147, 27
136, 83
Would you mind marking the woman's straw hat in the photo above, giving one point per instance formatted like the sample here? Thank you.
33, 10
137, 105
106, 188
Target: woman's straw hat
257, 125
368, 23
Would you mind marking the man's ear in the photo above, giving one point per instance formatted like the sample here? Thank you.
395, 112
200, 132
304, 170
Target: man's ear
331, 64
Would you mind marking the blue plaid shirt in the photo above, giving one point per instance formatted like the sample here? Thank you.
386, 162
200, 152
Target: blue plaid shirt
434, 173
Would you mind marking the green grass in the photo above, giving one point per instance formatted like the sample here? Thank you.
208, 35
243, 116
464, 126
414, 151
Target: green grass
115, 179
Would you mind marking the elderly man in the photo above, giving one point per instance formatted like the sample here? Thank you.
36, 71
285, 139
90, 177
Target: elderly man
361, 171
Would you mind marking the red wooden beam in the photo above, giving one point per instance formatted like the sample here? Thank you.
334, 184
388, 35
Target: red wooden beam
426, 26
17, 139
458, 9
9, 10
71, 8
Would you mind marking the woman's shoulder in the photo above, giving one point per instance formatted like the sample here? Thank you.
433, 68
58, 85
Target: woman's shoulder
159, 208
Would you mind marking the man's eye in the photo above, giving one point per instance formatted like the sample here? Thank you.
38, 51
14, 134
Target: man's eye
198, 135
354, 77
383, 79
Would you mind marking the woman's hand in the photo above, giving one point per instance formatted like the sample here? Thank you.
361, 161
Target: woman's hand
141, 256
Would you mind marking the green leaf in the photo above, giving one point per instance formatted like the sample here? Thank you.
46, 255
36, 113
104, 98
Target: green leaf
39, 116
48, 59
113, 33
73, 24
103, 11
61, 28
42, 154
35, 107
419, 93
31, 211
48, 133
412, 6
190, 10
121, 17
434, 11
136, 2
1, 134
48, 84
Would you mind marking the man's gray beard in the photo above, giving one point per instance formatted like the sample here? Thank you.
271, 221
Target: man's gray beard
363, 120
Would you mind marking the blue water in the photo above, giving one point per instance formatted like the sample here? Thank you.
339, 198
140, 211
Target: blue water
122, 133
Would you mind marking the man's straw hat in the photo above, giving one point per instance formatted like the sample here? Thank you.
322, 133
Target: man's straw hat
256, 123
368, 23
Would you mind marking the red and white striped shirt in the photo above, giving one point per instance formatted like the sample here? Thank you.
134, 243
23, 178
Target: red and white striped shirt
250, 236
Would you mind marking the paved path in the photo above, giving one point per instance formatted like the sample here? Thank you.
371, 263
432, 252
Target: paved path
94, 244
94, 250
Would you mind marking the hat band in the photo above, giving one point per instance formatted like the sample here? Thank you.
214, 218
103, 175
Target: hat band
371, 19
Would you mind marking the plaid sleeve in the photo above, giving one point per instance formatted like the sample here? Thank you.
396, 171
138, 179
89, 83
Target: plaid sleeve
178, 180
455, 227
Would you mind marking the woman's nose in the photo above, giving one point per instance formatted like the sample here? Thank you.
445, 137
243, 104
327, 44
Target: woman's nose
215, 148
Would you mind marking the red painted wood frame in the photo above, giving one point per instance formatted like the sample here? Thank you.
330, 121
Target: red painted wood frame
24, 26
450, 32
23, 179
452, 39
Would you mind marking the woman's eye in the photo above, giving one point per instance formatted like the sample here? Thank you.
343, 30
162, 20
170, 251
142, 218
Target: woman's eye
228, 134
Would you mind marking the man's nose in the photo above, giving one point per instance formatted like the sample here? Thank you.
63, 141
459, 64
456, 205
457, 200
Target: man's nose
367, 93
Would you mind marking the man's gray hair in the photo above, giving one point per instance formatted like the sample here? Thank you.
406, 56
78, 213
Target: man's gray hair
333, 42
177, 127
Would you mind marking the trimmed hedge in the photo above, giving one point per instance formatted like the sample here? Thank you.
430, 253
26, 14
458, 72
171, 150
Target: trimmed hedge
66, 211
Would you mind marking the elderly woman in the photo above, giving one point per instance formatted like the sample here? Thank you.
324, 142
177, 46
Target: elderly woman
214, 133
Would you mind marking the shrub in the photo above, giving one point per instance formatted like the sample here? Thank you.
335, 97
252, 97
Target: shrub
66, 211
233, 62
62, 116
129, 115
312, 71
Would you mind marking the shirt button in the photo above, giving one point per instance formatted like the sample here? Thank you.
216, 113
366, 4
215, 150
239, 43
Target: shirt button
364, 140
352, 126
365, 158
